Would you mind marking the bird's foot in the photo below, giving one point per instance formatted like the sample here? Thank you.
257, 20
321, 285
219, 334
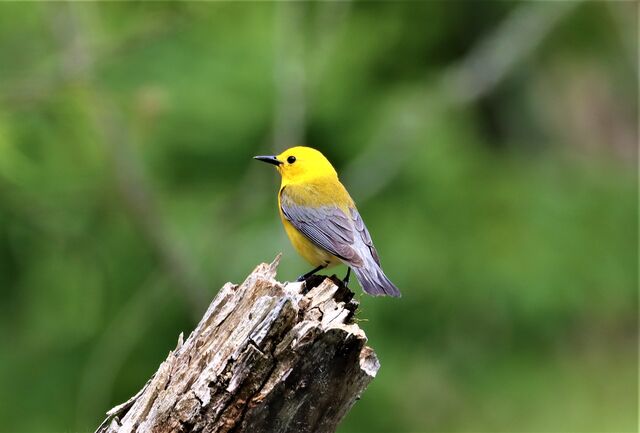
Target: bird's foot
345, 281
303, 277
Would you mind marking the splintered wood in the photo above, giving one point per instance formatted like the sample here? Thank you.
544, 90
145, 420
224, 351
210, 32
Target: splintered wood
266, 357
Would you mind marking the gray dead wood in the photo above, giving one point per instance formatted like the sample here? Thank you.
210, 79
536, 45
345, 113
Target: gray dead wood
266, 357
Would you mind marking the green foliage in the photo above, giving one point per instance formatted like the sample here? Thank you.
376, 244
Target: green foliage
128, 196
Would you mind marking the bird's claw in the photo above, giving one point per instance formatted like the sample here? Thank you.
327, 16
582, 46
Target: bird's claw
345, 281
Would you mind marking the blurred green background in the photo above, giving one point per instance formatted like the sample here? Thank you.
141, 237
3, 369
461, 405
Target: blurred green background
491, 148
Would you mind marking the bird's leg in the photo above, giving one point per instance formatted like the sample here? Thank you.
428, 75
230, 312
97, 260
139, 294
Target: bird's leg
311, 272
346, 277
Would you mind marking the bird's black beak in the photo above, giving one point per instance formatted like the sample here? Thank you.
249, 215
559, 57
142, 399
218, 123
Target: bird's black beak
270, 159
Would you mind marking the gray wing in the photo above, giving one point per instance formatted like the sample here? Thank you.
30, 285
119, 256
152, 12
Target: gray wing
327, 226
364, 234
344, 236
371, 277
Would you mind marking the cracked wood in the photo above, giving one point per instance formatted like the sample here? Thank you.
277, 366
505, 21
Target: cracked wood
266, 357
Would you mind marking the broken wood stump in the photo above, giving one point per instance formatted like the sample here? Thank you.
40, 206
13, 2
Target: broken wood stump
266, 357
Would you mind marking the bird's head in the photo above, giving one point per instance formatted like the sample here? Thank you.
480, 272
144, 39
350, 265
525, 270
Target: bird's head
300, 164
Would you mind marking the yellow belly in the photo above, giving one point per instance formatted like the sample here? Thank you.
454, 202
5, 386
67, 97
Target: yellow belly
310, 252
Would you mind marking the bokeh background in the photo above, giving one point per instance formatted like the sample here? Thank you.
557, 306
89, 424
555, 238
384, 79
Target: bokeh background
491, 148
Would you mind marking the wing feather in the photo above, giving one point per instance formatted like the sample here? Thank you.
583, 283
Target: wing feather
364, 234
326, 226
339, 231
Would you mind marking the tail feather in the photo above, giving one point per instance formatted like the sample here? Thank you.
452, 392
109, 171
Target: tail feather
374, 281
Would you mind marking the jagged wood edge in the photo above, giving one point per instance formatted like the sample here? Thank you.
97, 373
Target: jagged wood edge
230, 390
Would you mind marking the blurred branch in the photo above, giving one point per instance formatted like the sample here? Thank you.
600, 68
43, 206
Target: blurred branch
330, 21
488, 64
626, 16
289, 76
396, 132
110, 352
37, 88
69, 24
502, 51
137, 196
293, 81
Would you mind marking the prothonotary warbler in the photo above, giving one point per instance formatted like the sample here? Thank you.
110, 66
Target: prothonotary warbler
322, 221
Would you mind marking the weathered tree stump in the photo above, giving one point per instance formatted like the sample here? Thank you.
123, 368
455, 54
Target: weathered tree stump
266, 357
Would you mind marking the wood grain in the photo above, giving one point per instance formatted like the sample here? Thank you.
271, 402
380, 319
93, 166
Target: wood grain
266, 357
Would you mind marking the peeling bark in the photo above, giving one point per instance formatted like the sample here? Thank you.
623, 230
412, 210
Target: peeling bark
266, 357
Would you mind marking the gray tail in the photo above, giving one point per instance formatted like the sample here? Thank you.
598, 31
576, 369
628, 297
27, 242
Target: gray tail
375, 282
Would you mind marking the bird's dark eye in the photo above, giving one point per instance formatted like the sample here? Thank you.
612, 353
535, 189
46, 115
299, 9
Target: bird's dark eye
291, 159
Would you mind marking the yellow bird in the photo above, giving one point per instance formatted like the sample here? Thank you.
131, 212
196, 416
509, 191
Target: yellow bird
322, 221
